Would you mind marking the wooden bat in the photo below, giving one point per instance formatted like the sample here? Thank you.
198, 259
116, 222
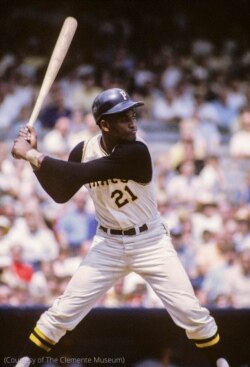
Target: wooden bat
60, 50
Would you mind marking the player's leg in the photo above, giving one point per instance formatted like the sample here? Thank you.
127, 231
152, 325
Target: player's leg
101, 268
162, 269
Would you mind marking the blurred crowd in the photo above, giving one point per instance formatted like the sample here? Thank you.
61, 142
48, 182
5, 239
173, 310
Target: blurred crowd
196, 121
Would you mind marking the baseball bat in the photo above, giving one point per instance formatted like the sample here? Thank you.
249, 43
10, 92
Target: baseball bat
59, 52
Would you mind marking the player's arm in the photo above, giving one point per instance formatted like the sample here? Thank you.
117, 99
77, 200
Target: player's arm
62, 179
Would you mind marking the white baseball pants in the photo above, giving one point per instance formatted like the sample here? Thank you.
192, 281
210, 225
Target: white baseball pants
151, 255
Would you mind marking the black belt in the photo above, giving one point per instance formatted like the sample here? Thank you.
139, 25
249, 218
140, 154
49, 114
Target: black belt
127, 232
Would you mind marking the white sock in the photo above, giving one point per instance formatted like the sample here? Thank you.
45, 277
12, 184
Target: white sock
221, 362
24, 362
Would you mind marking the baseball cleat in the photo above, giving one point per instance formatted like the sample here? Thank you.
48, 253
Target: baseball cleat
222, 363
24, 362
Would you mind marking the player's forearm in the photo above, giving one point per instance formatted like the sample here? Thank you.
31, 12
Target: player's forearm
57, 181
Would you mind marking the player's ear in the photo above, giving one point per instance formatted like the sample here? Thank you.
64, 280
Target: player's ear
104, 125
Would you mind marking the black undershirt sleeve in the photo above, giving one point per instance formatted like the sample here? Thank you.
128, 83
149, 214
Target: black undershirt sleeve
76, 153
62, 179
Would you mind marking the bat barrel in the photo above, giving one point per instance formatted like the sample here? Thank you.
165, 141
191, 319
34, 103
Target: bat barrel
60, 50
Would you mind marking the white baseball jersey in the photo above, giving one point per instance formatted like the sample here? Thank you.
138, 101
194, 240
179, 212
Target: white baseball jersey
116, 200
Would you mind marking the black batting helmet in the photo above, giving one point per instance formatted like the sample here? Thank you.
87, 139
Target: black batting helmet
112, 101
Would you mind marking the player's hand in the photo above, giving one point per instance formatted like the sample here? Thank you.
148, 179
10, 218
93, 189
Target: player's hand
29, 134
20, 148
26, 140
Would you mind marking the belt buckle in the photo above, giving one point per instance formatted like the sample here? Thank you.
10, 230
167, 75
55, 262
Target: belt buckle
130, 232
116, 231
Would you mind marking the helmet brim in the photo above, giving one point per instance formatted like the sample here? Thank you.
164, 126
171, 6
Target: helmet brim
122, 107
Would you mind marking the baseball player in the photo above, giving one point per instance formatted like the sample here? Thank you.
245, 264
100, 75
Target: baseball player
116, 168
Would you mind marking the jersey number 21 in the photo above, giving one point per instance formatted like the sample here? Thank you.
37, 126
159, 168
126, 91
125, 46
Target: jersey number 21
123, 197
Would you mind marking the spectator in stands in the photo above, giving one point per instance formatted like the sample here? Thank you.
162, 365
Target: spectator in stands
237, 279
9, 208
184, 251
164, 173
208, 237
142, 74
207, 124
185, 221
236, 98
185, 186
19, 272
4, 238
8, 182
242, 229
69, 83
239, 146
212, 291
226, 112
115, 297
76, 225
169, 109
5, 294
184, 95
146, 88
56, 108
189, 145
172, 71
22, 270
107, 79
226, 211
21, 120
212, 177
138, 297
244, 190
84, 94
20, 297
66, 264
37, 240
214, 255
56, 141
139, 294
44, 286
24, 89
13, 97
206, 216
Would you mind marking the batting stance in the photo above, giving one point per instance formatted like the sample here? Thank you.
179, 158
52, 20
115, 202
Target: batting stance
116, 168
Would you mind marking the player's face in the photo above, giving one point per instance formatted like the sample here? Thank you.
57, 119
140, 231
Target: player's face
123, 126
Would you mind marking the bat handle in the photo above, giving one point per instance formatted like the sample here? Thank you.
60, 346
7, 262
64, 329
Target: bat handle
36, 110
